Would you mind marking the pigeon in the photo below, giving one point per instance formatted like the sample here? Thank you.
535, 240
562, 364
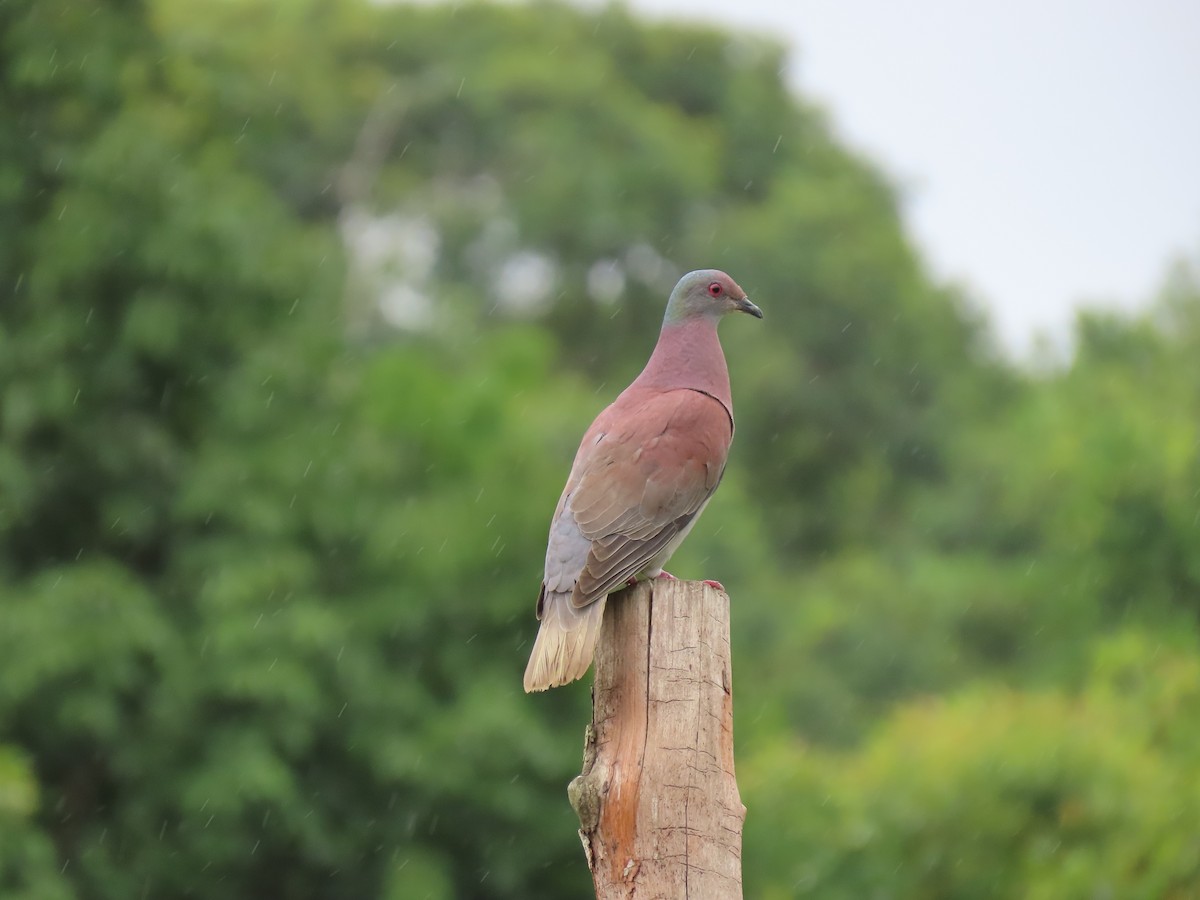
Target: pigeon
644, 472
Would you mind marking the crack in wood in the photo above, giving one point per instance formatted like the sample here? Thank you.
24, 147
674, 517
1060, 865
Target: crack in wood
647, 833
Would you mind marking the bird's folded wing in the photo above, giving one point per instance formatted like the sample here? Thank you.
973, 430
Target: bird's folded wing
649, 470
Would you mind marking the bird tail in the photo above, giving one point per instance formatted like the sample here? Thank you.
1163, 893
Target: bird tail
566, 641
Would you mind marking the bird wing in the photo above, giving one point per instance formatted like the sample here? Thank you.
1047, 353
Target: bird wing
644, 471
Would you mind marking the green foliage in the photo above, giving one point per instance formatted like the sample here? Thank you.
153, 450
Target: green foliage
999, 794
864, 632
27, 861
1096, 470
268, 559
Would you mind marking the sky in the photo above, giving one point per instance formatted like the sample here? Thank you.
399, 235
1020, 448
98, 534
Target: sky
1048, 153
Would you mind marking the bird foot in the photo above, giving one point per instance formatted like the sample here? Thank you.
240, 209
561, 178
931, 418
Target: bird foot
715, 584
631, 581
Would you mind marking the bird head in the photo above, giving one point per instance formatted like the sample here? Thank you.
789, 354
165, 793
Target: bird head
707, 293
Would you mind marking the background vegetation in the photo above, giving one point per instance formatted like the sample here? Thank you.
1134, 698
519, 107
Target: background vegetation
303, 307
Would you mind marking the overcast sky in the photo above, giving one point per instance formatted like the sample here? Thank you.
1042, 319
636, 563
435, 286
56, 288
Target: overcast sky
1049, 152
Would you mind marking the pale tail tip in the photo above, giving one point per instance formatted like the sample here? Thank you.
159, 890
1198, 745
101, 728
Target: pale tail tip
538, 685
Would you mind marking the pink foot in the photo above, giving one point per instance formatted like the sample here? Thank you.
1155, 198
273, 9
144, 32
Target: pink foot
715, 584
631, 581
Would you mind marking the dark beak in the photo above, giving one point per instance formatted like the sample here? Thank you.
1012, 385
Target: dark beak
744, 305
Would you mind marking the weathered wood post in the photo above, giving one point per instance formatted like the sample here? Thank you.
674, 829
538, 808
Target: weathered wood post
658, 803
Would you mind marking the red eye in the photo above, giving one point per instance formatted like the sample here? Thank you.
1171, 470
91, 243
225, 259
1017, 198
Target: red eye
715, 289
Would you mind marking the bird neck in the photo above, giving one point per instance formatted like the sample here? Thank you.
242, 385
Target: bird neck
689, 356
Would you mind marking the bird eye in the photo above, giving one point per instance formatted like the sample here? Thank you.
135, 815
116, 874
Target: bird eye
715, 289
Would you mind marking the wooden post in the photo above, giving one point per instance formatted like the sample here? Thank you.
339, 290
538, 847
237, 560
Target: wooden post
658, 803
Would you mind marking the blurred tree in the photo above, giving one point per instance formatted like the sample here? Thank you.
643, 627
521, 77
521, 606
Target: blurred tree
28, 868
996, 794
1093, 470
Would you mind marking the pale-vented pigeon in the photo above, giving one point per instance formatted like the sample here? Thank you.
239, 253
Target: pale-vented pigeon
644, 472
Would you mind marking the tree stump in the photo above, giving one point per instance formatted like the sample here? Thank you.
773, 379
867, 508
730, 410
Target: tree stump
659, 810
